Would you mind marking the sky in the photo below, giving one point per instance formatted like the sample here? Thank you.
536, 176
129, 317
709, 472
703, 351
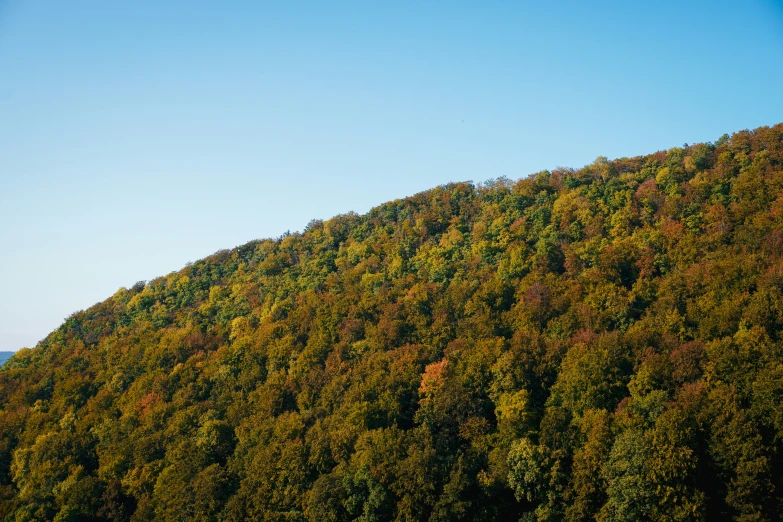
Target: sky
136, 137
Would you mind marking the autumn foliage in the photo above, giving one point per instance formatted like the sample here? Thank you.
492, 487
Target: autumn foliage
595, 344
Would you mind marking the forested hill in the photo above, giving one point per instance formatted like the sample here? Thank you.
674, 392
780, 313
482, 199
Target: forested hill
596, 343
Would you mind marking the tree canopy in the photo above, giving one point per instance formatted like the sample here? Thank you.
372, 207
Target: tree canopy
595, 344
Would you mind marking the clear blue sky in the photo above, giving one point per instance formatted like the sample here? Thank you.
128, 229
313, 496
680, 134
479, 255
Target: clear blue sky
136, 137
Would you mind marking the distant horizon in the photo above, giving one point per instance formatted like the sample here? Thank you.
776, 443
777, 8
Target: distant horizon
5, 355
142, 137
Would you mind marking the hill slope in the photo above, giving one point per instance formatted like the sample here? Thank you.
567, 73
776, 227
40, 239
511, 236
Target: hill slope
600, 342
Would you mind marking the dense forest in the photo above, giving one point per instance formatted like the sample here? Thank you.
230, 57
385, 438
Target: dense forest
595, 344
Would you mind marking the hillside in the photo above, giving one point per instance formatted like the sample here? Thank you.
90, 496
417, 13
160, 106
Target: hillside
596, 343
4, 356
